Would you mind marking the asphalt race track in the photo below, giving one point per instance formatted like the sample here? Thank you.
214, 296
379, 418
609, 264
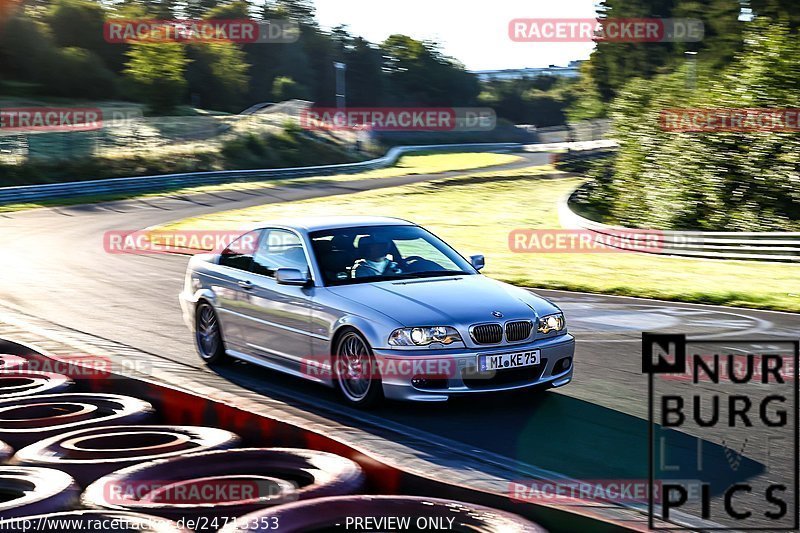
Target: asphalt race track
53, 267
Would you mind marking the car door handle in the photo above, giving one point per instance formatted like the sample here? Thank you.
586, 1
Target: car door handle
246, 285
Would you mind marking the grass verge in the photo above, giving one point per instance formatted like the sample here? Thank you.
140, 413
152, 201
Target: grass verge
406, 166
475, 214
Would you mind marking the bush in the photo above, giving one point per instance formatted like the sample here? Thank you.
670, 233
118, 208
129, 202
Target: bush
284, 88
286, 149
217, 75
156, 71
727, 181
80, 73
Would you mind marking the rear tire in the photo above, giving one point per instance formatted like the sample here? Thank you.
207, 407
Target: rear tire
208, 335
355, 371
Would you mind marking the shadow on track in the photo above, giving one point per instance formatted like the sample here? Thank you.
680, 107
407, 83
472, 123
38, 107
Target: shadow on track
548, 430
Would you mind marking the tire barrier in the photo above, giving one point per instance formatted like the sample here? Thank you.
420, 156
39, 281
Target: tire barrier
279, 476
402, 513
6, 452
10, 362
15, 383
86, 521
32, 418
242, 481
28, 491
90, 453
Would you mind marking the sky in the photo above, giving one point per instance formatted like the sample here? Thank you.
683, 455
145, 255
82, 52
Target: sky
473, 31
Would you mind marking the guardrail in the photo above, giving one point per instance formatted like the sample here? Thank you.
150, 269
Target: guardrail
753, 246
32, 193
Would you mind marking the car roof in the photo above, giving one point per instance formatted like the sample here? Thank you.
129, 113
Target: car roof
309, 224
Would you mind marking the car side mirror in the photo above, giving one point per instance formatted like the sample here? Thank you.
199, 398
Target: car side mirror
291, 276
477, 261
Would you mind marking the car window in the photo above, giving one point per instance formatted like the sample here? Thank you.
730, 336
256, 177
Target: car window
424, 249
279, 249
239, 254
375, 253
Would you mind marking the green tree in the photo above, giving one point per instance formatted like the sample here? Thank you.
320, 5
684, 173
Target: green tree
197, 9
80, 73
239, 9
317, 56
76, 23
301, 11
27, 50
217, 75
365, 78
725, 180
160, 9
287, 89
79, 23
156, 72
419, 74
776, 10
540, 100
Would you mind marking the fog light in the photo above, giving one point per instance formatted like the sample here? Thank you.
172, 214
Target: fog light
431, 381
563, 365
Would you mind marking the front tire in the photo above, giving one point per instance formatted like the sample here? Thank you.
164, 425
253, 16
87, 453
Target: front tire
208, 335
356, 373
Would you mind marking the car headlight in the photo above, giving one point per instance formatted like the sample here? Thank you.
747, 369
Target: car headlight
424, 336
551, 323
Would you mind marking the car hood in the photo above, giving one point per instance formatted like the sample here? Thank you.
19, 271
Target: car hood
454, 301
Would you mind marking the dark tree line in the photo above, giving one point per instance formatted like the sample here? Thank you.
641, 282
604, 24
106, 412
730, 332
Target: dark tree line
713, 180
612, 65
57, 48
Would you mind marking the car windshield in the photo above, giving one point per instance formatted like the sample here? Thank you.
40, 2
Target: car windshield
380, 253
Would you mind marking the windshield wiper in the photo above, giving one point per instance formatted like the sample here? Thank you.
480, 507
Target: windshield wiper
395, 277
431, 273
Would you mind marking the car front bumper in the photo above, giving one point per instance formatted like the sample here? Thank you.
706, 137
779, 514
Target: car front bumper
461, 375
188, 303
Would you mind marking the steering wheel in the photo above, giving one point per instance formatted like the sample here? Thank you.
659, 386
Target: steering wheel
415, 263
411, 260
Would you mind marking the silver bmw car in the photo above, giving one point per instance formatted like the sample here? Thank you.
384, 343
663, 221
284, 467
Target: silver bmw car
376, 307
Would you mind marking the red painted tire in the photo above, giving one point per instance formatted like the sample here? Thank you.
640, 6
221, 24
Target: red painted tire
28, 491
10, 362
90, 453
418, 514
20, 382
83, 521
262, 476
33, 418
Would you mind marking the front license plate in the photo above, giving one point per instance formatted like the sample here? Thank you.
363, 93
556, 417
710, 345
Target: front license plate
488, 363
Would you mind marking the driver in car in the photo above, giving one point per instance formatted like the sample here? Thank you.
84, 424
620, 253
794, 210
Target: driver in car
375, 260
